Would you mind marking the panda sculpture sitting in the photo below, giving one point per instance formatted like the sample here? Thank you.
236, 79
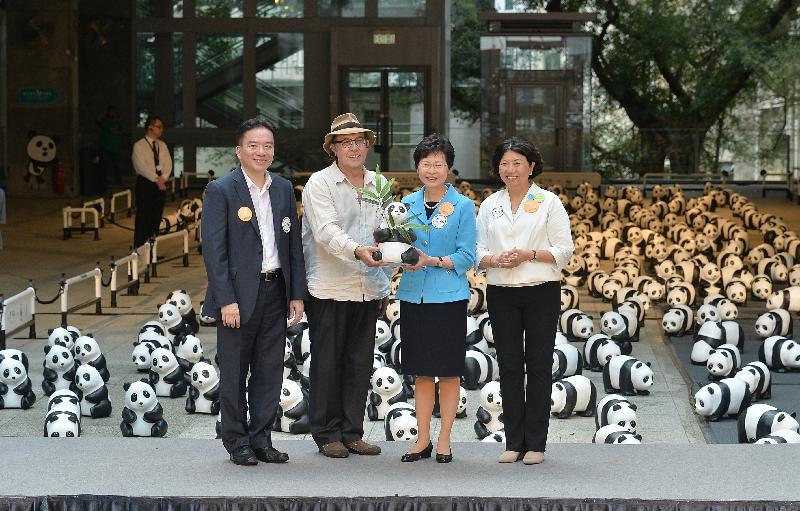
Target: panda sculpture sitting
393, 243
292, 415
204, 392
16, 390
490, 413
387, 389
142, 414
93, 392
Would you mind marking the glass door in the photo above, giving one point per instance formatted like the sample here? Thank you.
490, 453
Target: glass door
536, 113
393, 102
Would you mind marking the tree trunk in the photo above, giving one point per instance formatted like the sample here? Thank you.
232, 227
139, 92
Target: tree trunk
653, 149
685, 149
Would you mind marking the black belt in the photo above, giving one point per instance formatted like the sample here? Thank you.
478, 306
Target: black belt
270, 275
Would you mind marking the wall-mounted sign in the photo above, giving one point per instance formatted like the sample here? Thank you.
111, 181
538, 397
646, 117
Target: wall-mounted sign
38, 95
383, 37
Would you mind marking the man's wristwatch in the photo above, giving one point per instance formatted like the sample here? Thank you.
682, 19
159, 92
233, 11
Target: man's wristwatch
440, 262
534, 255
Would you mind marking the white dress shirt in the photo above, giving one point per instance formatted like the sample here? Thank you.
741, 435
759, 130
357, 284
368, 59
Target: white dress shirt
548, 228
260, 196
144, 162
335, 223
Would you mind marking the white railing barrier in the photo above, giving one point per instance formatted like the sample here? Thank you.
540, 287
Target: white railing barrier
16, 313
131, 262
95, 274
100, 205
184, 234
124, 194
145, 257
66, 214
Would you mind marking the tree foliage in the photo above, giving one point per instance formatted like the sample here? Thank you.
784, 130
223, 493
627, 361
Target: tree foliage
465, 56
677, 66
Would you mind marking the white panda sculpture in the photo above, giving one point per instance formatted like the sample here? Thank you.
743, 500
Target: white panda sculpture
677, 320
779, 353
383, 336
59, 369
576, 394
615, 434
727, 397
188, 352
172, 321
758, 378
142, 356
61, 336
774, 322
712, 335
622, 327
761, 287
788, 299
723, 362
576, 325
16, 355
204, 391
387, 389
707, 312
598, 350
62, 424
569, 298
782, 436
498, 437
166, 376
64, 400
181, 299
87, 351
485, 324
479, 368
292, 415
490, 412
628, 375
93, 392
142, 414
392, 246
400, 423
16, 389
567, 361
615, 409
760, 420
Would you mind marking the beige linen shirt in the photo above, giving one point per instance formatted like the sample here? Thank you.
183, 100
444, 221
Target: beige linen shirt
335, 223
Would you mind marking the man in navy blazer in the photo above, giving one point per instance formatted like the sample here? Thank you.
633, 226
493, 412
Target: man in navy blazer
256, 279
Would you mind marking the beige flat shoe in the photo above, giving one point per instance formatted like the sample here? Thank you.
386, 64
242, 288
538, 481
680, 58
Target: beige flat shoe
533, 458
510, 457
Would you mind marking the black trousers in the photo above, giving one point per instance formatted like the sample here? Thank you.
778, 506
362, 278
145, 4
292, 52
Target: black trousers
149, 210
532, 310
256, 347
342, 341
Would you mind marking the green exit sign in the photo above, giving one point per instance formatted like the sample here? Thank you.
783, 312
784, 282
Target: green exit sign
38, 95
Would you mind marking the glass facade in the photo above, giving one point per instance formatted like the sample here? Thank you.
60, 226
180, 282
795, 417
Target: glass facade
279, 79
219, 99
219, 8
401, 8
279, 8
159, 59
340, 8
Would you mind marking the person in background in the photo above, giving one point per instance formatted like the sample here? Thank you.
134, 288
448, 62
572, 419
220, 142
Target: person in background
153, 166
110, 144
524, 240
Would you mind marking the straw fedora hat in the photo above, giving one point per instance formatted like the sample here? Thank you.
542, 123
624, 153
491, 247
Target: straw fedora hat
346, 124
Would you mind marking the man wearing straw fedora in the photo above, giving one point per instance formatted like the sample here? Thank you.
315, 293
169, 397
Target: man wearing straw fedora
348, 289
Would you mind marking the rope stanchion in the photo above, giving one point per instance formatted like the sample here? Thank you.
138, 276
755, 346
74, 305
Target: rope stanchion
95, 275
66, 214
56, 297
16, 313
184, 234
99, 204
124, 194
132, 264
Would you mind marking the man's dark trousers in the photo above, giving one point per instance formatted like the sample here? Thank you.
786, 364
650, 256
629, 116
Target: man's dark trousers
149, 210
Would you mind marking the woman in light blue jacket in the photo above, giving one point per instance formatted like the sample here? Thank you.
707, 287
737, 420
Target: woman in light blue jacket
434, 293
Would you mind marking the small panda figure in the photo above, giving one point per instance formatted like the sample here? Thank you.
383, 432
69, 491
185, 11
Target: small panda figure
712, 335
87, 351
383, 336
498, 437
142, 414
678, 320
485, 324
760, 420
682, 293
758, 378
290, 370
59, 369
615, 434
16, 389
576, 325
170, 317
615, 409
400, 423
736, 291
490, 412
387, 389
292, 414
598, 350
204, 392
782, 436
475, 338
723, 362
726, 309
761, 287
706, 312
61, 336
788, 298
188, 352
567, 361
393, 247
774, 322
166, 376
627, 375
64, 400
622, 327
93, 392
461, 410
727, 397
62, 424
143, 356
779, 353
574, 394
479, 368
181, 299
569, 298
16, 355
153, 326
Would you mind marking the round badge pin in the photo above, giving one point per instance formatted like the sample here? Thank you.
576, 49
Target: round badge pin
539, 197
497, 212
245, 214
446, 208
531, 206
439, 221
286, 224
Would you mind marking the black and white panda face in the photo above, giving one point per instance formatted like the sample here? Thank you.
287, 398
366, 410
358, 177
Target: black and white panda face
707, 312
181, 300
163, 361
736, 291
397, 212
204, 375
12, 372
491, 397
140, 397
41, 149
386, 381
62, 424
719, 363
642, 376
169, 315
382, 332
291, 394
88, 379
62, 337
59, 359
86, 348
142, 355
612, 323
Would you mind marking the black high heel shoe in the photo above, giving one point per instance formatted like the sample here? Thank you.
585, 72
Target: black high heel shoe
416, 456
444, 458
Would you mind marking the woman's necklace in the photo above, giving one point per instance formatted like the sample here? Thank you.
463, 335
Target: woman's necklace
427, 201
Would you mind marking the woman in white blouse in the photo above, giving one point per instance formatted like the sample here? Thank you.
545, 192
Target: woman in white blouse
524, 240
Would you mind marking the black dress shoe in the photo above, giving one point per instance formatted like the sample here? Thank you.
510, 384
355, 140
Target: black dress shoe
416, 456
244, 455
270, 455
444, 458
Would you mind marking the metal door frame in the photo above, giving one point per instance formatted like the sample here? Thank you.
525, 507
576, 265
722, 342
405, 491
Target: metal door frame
561, 88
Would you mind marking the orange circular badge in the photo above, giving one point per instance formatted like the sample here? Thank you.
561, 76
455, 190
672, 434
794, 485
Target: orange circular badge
531, 206
446, 208
245, 214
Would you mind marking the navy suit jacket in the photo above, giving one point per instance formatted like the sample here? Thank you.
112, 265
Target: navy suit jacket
232, 247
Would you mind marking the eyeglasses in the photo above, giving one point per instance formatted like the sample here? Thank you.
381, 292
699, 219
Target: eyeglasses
350, 144
514, 164
428, 166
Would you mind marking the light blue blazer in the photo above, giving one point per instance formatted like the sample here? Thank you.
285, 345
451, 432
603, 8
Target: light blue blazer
456, 239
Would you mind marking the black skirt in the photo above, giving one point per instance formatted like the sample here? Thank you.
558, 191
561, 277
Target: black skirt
434, 338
